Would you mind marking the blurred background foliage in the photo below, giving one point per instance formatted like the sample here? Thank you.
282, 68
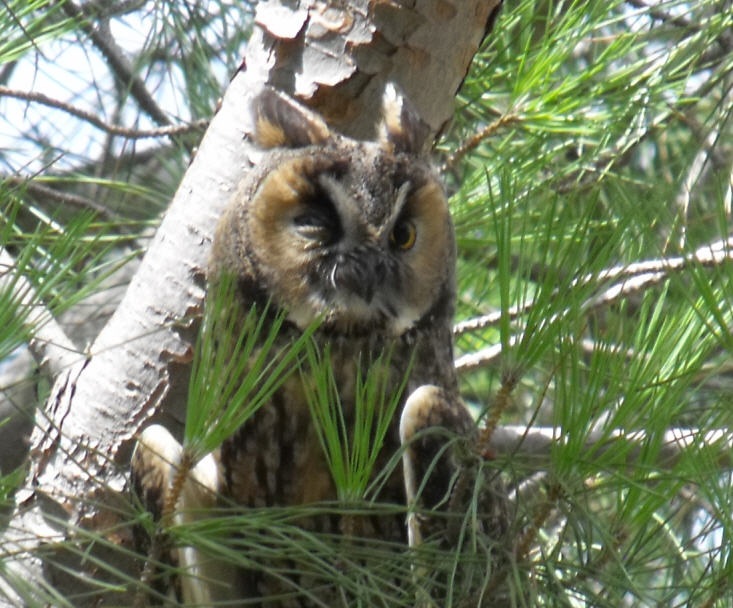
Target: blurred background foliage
590, 171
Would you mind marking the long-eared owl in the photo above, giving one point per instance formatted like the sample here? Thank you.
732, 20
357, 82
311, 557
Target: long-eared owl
355, 237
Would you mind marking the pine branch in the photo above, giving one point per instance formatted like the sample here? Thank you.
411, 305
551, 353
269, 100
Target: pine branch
93, 119
63, 198
701, 161
631, 278
50, 346
534, 445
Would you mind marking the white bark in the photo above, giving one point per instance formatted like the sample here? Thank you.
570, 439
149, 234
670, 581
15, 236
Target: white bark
337, 60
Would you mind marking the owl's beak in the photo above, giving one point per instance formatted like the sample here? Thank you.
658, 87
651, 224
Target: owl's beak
358, 276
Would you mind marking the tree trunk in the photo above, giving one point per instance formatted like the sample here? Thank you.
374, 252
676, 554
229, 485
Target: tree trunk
336, 60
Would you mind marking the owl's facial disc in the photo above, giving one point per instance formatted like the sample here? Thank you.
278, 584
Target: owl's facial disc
361, 267
356, 238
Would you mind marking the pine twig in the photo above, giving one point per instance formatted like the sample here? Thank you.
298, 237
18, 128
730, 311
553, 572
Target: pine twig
501, 402
535, 443
698, 165
94, 120
544, 509
50, 346
630, 277
475, 140
64, 198
170, 501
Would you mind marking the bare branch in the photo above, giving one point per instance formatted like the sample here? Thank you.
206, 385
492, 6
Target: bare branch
632, 278
484, 356
535, 444
55, 195
643, 274
723, 41
113, 8
118, 62
129, 133
487, 320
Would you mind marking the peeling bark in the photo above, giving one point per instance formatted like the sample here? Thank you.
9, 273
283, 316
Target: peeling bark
336, 59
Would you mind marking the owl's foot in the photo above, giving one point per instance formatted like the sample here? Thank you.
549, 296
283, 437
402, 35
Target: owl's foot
176, 492
455, 497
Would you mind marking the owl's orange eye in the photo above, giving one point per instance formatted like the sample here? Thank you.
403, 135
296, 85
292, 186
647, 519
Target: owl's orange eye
403, 235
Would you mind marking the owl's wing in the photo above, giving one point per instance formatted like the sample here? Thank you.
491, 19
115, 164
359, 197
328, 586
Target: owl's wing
443, 470
154, 467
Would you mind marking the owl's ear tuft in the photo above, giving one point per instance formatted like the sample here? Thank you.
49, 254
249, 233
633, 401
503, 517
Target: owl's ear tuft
279, 121
402, 129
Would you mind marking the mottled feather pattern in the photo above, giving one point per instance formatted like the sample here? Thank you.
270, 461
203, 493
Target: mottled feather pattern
355, 236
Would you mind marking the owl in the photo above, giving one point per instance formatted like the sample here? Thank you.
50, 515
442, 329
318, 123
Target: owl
352, 241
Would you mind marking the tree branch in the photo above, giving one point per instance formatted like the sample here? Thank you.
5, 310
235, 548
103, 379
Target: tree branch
506, 119
51, 348
631, 278
64, 198
118, 62
698, 165
129, 133
534, 445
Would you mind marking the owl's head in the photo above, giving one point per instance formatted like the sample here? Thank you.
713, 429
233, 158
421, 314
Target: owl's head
355, 233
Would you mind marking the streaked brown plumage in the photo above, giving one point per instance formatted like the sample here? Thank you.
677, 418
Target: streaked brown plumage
356, 235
